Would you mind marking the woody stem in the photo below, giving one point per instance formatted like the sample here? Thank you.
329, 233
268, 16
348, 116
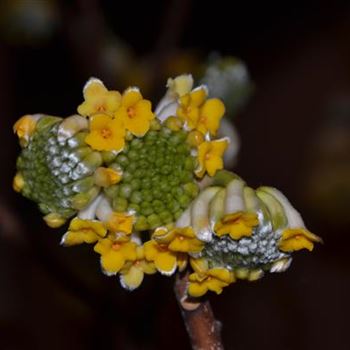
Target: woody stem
204, 331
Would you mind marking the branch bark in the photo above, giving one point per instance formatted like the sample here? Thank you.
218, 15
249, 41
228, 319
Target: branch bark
204, 331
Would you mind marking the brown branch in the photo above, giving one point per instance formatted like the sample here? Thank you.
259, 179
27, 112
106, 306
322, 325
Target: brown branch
204, 331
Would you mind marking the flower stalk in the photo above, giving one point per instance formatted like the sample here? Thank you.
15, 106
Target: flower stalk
203, 329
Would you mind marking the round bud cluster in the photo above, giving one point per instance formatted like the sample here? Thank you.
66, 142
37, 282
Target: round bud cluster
157, 182
58, 175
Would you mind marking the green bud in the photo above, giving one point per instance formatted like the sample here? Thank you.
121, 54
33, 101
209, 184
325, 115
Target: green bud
125, 190
119, 204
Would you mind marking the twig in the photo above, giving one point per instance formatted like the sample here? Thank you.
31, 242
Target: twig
204, 331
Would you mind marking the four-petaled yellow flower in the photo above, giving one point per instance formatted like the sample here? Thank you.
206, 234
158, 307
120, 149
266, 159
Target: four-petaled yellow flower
179, 239
98, 99
214, 279
120, 222
106, 133
115, 252
297, 238
135, 112
199, 113
131, 275
83, 231
237, 225
210, 155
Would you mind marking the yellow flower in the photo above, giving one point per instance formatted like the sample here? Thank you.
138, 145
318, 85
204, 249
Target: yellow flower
189, 106
179, 239
98, 99
131, 275
135, 112
210, 155
24, 127
199, 113
106, 134
297, 238
120, 223
106, 177
165, 260
237, 225
83, 231
115, 252
210, 115
214, 279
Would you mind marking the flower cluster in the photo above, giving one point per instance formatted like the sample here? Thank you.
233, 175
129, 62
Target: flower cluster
147, 189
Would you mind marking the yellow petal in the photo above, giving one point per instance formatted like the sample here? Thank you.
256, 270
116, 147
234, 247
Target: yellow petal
166, 263
151, 250
131, 96
94, 87
132, 279
198, 96
210, 115
112, 262
196, 289
103, 246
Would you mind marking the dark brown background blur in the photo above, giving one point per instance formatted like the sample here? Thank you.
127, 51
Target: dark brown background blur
295, 134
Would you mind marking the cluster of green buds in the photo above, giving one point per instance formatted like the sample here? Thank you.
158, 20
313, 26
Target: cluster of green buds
148, 189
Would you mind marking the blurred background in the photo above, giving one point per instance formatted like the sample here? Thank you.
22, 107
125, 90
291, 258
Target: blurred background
294, 131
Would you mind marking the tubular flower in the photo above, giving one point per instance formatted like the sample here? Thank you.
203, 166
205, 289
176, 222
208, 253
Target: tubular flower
149, 191
135, 112
296, 239
180, 239
199, 113
25, 126
214, 279
189, 106
83, 231
115, 252
106, 134
165, 259
132, 274
210, 155
237, 225
98, 99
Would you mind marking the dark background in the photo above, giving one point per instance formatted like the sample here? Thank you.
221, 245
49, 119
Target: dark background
295, 135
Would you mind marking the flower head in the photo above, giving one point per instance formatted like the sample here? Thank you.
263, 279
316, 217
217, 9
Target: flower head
98, 99
135, 112
115, 252
106, 134
210, 155
83, 231
106, 177
131, 275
